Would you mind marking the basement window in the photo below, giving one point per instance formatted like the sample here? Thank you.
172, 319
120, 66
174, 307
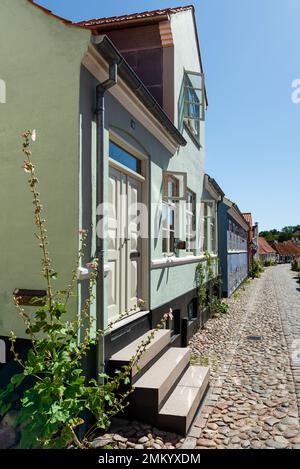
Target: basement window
193, 309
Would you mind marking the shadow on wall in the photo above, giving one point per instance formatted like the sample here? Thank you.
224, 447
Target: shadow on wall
161, 277
158, 220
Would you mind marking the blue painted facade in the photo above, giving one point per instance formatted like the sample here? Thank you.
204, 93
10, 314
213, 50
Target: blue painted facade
233, 247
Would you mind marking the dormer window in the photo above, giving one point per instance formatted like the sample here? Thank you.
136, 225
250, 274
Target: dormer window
193, 102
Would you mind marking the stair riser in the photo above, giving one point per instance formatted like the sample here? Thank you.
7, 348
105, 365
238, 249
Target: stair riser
117, 365
152, 354
137, 375
155, 351
181, 424
147, 399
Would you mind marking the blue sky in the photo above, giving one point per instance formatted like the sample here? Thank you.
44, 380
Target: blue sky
251, 56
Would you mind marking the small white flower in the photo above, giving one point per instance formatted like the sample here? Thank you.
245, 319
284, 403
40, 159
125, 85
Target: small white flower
33, 135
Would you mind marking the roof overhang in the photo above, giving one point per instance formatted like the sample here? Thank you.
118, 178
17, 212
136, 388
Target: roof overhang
131, 92
236, 214
100, 25
213, 188
133, 19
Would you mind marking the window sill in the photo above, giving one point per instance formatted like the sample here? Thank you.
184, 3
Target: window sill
175, 261
237, 251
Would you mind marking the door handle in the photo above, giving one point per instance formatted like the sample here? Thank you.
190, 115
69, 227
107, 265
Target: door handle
126, 240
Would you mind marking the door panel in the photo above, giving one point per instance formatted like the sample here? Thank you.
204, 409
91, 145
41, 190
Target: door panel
124, 244
134, 242
114, 229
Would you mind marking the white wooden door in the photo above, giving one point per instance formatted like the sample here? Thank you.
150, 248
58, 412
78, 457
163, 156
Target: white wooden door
124, 253
133, 245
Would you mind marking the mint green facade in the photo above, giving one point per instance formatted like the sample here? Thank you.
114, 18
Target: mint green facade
49, 88
40, 64
170, 282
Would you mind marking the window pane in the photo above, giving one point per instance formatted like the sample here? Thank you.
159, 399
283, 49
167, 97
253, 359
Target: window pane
206, 240
121, 156
173, 187
165, 216
194, 80
213, 235
172, 219
190, 221
165, 245
172, 241
192, 110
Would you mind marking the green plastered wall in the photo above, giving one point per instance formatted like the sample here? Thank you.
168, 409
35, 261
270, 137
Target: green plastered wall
117, 120
168, 283
171, 282
40, 59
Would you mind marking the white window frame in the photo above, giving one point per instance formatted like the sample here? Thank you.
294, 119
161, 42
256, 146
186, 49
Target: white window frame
166, 231
171, 202
208, 241
182, 188
191, 120
190, 215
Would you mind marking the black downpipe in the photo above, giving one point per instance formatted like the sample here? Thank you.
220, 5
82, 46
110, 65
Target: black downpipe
100, 232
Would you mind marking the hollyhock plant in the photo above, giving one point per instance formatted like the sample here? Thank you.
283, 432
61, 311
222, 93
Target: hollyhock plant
51, 392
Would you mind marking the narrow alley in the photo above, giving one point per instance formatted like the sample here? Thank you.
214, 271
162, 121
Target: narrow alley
254, 357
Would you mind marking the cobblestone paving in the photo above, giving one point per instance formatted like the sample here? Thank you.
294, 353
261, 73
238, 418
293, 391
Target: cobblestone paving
287, 291
253, 400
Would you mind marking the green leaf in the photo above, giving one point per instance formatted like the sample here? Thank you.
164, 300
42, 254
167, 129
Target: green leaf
17, 380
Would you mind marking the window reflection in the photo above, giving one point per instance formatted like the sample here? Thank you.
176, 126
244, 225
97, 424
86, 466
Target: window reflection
121, 156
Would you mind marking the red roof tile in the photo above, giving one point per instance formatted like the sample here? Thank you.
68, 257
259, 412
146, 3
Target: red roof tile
264, 246
134, 16
287, 248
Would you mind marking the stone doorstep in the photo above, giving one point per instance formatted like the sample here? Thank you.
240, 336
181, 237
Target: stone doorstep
155, 384
159, 342
182, 405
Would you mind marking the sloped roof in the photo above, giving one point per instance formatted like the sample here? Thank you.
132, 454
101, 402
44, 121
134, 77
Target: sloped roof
209, 181
287, 248
134, 16
235, 213
264, 246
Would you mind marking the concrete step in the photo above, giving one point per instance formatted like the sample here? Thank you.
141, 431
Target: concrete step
179, 410
159, 342
155, 385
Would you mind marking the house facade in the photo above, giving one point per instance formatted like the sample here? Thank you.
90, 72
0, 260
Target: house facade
252, 240
233, 246
124, 159
43, 92
266, 252
172, 72
248, 218
287, 251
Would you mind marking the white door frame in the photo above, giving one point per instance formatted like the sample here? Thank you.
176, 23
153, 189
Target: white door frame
143, 179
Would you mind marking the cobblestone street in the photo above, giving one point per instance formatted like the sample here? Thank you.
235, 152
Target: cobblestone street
253, 355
